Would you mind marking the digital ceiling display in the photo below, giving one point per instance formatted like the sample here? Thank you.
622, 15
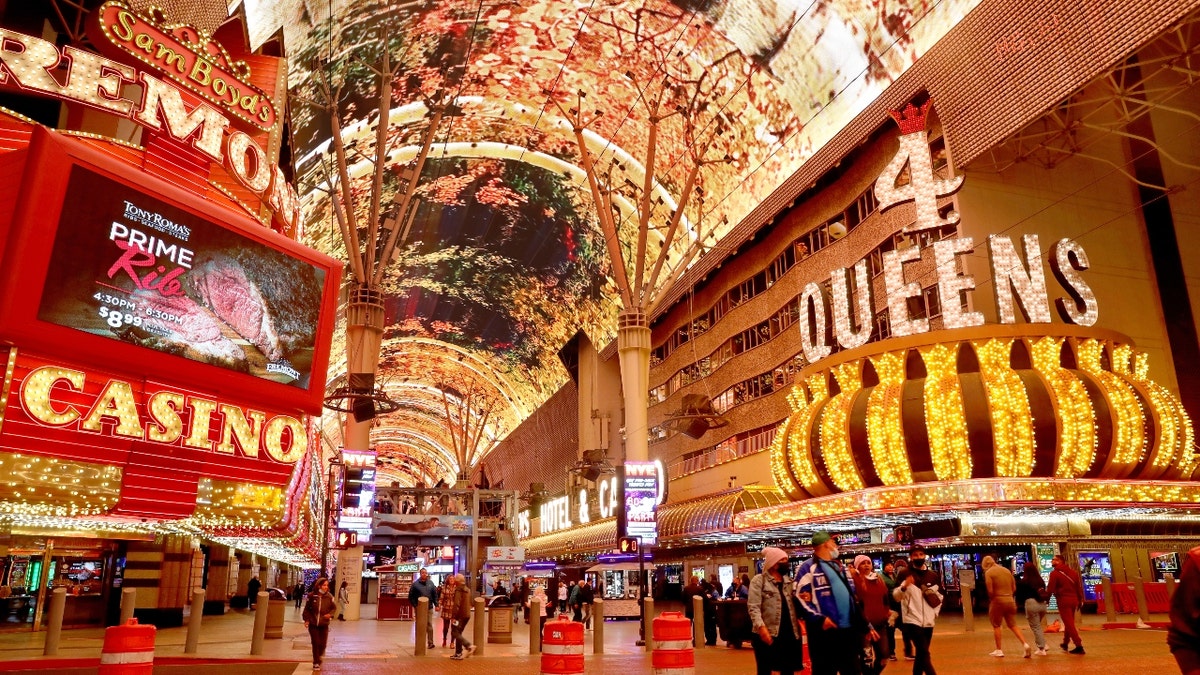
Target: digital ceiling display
131, 267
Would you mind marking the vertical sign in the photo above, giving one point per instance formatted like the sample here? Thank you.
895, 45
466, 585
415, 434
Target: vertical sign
641, 501
1043, 554
358, 492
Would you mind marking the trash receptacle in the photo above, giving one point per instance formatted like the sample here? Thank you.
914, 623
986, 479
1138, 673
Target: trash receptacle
500, 622
276, 607
733, 622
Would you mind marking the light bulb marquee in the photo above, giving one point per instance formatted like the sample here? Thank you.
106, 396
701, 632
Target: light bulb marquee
1033, 403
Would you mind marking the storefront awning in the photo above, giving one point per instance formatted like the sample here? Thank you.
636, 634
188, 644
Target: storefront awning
711, 517
597, 537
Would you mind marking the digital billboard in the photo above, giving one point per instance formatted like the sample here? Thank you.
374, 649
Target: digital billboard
641, 501
134, 268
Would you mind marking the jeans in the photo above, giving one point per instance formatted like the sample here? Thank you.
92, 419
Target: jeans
587, 615
460, 642
320, 638
921, 637
1034, 613
446, 621
834, 650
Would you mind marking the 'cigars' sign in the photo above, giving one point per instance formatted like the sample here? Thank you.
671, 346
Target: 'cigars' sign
61, 397
190, 58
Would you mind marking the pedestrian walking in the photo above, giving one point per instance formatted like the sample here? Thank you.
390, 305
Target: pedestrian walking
423, 588
562, 596
1002, 604
920, 602
773, 617
252, 589
1066, 586
446, 606
587, 596
298, 594
461, 616
1183, 637
343, 599
827, 601
889, 574
1032, 596
874, 594
318, 612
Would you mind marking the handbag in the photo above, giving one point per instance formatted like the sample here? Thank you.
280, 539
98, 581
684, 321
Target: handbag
1043, 594
931, 597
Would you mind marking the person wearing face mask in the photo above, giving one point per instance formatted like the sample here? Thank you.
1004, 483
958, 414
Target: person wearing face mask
773, 618
920, 602
318, 612
829, 605
874, 593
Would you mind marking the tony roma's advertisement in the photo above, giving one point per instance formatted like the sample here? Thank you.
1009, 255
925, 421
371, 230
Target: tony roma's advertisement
129, 267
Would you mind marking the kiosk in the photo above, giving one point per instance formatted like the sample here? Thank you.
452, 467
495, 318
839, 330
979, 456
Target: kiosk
394, 584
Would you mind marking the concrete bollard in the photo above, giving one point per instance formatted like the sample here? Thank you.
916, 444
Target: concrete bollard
535, 634
1139, 592
697, 621
1170, 581
422, 622
480, 626
128, 603
58, 606
1110, 601
598, 626
647, 623
193, 631
260, 623
968, 605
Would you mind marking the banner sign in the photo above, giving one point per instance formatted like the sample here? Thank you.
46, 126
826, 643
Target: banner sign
133, 268
396, 524
641, 501
505, 554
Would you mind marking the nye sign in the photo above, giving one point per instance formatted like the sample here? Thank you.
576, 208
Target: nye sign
133, 268
27, 62
1018, 281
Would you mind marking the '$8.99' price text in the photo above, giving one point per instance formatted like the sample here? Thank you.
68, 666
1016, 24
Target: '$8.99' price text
117, 319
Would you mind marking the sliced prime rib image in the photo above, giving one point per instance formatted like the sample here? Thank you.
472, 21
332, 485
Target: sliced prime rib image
272, 302
195, 335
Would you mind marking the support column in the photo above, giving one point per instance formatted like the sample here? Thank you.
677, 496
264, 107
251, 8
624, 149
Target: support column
217, 591
349, 569
633, 345
245, 570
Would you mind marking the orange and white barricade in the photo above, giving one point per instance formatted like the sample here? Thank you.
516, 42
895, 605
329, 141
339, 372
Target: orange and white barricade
128, 650
673, 652
562, 647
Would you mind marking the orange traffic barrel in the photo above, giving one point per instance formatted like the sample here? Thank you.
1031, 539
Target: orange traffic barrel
128, 650
562, 647
673, 653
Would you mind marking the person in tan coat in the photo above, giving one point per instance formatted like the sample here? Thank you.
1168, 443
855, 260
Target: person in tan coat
1002, 607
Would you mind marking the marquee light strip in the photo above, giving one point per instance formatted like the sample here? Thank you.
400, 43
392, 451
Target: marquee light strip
1074, 413
1008, 406
799, 450
885, 428
1129, 446
944, 418
835, 429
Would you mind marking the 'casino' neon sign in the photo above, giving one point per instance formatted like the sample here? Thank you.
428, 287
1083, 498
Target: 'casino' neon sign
171, 418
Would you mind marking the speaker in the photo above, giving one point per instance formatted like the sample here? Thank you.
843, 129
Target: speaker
694, 428
363, 406
591, 473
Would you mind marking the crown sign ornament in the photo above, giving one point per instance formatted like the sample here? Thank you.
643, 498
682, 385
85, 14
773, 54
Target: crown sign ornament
923, 187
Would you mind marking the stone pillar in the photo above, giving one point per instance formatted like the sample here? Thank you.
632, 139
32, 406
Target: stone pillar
349, 569
217, 591
245, 571
633, 345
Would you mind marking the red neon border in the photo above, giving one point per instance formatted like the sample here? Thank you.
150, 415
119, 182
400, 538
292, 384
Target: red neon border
26, 259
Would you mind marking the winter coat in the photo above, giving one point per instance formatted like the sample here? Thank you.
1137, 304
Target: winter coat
319, 609
914, 609
1066, 586
462, 602
812, 578
420, 590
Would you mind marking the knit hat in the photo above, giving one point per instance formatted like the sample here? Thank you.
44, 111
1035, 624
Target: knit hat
820, 538
859, 559
773, 556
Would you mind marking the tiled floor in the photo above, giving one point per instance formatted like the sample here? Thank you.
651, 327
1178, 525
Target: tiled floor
369, 646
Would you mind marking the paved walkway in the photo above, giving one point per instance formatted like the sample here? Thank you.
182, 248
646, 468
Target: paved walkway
368, 646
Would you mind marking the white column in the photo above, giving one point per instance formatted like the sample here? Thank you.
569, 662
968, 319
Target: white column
633, 346
349, 569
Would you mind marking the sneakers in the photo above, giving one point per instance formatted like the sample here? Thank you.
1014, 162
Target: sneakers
997, 653
892, 657
316, 667
1042, 652
1063, 646
1078, 650
457, 657
431, 646
1028, 650
470, 650
909, 657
